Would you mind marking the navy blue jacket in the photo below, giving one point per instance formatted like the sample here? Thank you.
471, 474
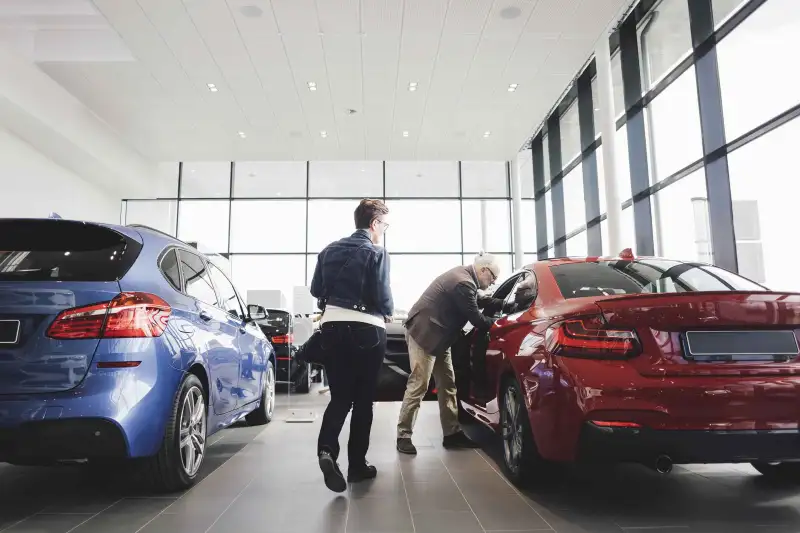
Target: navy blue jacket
353, 273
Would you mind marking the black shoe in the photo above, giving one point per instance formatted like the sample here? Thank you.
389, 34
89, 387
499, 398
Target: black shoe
334, 479
406, 446
459, 441
361, 473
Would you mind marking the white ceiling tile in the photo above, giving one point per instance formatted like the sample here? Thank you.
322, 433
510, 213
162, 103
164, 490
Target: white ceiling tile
362, 54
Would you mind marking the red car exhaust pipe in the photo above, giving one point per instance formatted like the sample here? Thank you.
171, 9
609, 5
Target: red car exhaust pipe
663, 464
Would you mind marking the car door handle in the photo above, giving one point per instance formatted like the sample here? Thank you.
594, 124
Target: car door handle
205, 316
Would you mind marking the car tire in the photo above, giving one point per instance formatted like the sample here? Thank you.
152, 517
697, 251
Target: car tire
522, 462
303, 385
176, 466
265, 411
783, 472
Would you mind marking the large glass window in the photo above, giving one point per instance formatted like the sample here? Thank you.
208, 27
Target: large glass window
411, 275
526, 173
765, 188
529, 227
578, 246
157, 214
484, 179
330, 220
206, 180
570, 134
724, 9
686, 237
548, 200
675, 138
424, 226
422, 179
574, 203
269, 272
665, 40
269, 179
619, 88
623, 169
547, 174
206, 223
757, 79
356, 179
265, 226
497, 221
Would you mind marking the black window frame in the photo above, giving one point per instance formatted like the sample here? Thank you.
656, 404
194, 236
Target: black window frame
205, 262
160, 264
220, 304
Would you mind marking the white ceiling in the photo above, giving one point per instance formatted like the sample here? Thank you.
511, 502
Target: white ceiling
362, 55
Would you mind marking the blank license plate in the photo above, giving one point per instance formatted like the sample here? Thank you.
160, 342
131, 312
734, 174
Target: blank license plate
9, 331
742, 344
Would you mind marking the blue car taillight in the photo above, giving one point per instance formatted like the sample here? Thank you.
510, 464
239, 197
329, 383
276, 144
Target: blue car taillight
128, 315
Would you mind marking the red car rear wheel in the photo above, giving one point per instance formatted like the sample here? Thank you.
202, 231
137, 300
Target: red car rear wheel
521, 459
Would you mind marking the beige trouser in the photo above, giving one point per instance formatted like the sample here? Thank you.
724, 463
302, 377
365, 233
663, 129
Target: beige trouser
422, 366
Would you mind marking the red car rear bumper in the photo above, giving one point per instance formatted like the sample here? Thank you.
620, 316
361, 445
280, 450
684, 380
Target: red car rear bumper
692, 419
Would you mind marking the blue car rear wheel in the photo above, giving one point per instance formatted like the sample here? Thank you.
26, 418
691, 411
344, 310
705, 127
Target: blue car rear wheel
176, 465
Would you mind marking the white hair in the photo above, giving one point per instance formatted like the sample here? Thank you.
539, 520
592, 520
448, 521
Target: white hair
484, 260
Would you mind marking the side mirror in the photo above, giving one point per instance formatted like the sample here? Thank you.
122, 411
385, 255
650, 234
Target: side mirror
256, 312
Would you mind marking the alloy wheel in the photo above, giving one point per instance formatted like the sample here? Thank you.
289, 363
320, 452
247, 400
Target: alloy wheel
512, 430
269, 392
193, 431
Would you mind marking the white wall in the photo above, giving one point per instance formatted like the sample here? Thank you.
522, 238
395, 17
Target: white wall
34, 186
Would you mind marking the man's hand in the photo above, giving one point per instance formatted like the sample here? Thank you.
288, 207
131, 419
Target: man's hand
387, 319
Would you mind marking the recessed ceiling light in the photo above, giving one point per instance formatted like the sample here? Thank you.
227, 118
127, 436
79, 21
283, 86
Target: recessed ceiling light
412, 86
312, 86
323, 134
242, 134
487, 134
513, 87
405, 134
212, 87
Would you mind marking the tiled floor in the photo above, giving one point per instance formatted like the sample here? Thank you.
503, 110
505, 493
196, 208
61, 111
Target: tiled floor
266, 480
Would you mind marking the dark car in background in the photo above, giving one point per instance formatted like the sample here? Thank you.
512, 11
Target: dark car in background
396, 367
279, 329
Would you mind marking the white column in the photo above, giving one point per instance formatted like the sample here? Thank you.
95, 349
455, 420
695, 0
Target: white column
484, 227
608, 130
516, 212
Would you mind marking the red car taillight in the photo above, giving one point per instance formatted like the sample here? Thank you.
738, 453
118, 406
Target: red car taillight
128, 315
283, 339
590, 337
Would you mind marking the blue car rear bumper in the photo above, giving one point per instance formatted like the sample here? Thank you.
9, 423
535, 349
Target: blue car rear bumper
119, 412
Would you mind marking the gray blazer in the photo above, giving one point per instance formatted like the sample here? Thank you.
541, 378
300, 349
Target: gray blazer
451, 300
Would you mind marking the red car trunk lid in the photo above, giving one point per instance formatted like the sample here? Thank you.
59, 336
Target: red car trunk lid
664, 322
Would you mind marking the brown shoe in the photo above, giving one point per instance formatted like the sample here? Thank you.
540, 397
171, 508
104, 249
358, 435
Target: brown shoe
406, 446
459, 441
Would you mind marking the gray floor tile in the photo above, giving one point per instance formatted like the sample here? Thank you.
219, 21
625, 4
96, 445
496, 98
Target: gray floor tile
446, 522
379, 516
127, 516
267, 479
435, 496
48, 524
509, 512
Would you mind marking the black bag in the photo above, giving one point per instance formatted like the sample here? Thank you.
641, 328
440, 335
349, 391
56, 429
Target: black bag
312, 350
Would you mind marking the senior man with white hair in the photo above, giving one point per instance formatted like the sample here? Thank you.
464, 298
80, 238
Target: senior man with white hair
434, 323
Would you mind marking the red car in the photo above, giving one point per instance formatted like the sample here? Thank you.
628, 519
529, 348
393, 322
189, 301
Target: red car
637, 360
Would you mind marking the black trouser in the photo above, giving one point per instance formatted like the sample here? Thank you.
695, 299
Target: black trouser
355, 355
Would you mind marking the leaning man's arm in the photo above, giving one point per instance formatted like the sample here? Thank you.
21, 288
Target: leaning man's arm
468, 300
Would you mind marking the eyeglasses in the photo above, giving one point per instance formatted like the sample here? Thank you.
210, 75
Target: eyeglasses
491, 272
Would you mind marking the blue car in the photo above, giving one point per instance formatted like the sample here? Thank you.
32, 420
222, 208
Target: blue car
122, 343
